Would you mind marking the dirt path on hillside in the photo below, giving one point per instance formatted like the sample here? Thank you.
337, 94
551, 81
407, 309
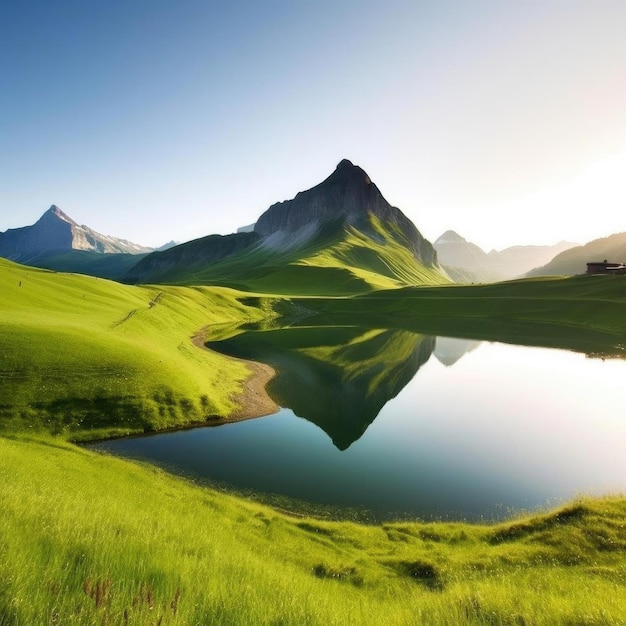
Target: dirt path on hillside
253, 401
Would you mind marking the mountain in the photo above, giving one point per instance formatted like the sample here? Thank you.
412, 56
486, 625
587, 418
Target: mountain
167, 246
574, 261
466, 262
55, 233
340, 236
166, 265
518, 260
348, 194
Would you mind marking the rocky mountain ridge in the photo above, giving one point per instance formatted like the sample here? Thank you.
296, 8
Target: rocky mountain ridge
348, 194
57, 233
344, 218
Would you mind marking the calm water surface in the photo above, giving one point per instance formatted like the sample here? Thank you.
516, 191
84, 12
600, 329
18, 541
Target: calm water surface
433, 428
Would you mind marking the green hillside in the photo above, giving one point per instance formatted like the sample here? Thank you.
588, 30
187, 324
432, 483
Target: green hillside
79, 353
584, 313
337, 259
89, 357
89, 539
574, 261
112, 265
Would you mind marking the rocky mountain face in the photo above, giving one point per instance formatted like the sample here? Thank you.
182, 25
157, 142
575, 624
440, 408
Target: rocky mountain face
185, 257
348, 194
55, 233
466, 262
344, 219
574, 260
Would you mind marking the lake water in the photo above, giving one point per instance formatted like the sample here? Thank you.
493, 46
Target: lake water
405, 425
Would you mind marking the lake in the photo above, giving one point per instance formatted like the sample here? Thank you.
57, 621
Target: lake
406, 425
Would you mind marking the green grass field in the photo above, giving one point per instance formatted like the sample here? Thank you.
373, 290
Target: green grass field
94, 358
583, 313
89, 539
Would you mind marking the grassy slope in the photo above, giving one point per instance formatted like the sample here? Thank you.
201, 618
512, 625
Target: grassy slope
112, 266
574, 260
339, 260
89, 539
79, 353
583, 313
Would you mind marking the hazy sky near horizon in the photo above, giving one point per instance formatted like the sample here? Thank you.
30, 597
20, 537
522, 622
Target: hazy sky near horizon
155, 120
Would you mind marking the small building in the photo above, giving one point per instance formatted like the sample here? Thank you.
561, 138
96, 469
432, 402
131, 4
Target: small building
604, 267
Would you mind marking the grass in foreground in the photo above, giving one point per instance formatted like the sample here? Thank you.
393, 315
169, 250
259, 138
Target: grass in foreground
90, 539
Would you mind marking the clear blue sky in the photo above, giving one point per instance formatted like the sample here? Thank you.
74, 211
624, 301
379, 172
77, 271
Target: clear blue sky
156, 120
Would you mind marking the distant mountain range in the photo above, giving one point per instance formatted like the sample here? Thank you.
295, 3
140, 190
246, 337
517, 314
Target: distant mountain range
57, 242
57, 233
574, 261
465, 262
340, 236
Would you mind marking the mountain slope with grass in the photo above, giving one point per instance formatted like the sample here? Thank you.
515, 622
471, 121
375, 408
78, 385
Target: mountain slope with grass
574, 261
84, 355
111, 265
339, 237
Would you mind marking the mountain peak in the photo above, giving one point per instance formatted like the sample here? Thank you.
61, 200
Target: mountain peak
56, 232
55, 212
349, 196
347, 170
450, 236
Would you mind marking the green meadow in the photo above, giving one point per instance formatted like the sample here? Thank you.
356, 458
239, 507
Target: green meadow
87, 538
91, 539
95, 358
582, 313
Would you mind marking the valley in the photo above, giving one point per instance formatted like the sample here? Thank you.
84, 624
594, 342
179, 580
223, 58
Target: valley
326, 318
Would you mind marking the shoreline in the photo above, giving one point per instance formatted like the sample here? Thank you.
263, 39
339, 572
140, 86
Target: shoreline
251, 402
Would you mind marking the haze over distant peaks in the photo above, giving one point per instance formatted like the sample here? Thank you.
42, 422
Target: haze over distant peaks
55, 232
574, 260
449, 237
466, 262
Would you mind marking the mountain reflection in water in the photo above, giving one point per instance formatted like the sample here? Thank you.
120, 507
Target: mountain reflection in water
475, 434
340, 378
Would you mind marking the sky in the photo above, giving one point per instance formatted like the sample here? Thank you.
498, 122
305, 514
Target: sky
154, 120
